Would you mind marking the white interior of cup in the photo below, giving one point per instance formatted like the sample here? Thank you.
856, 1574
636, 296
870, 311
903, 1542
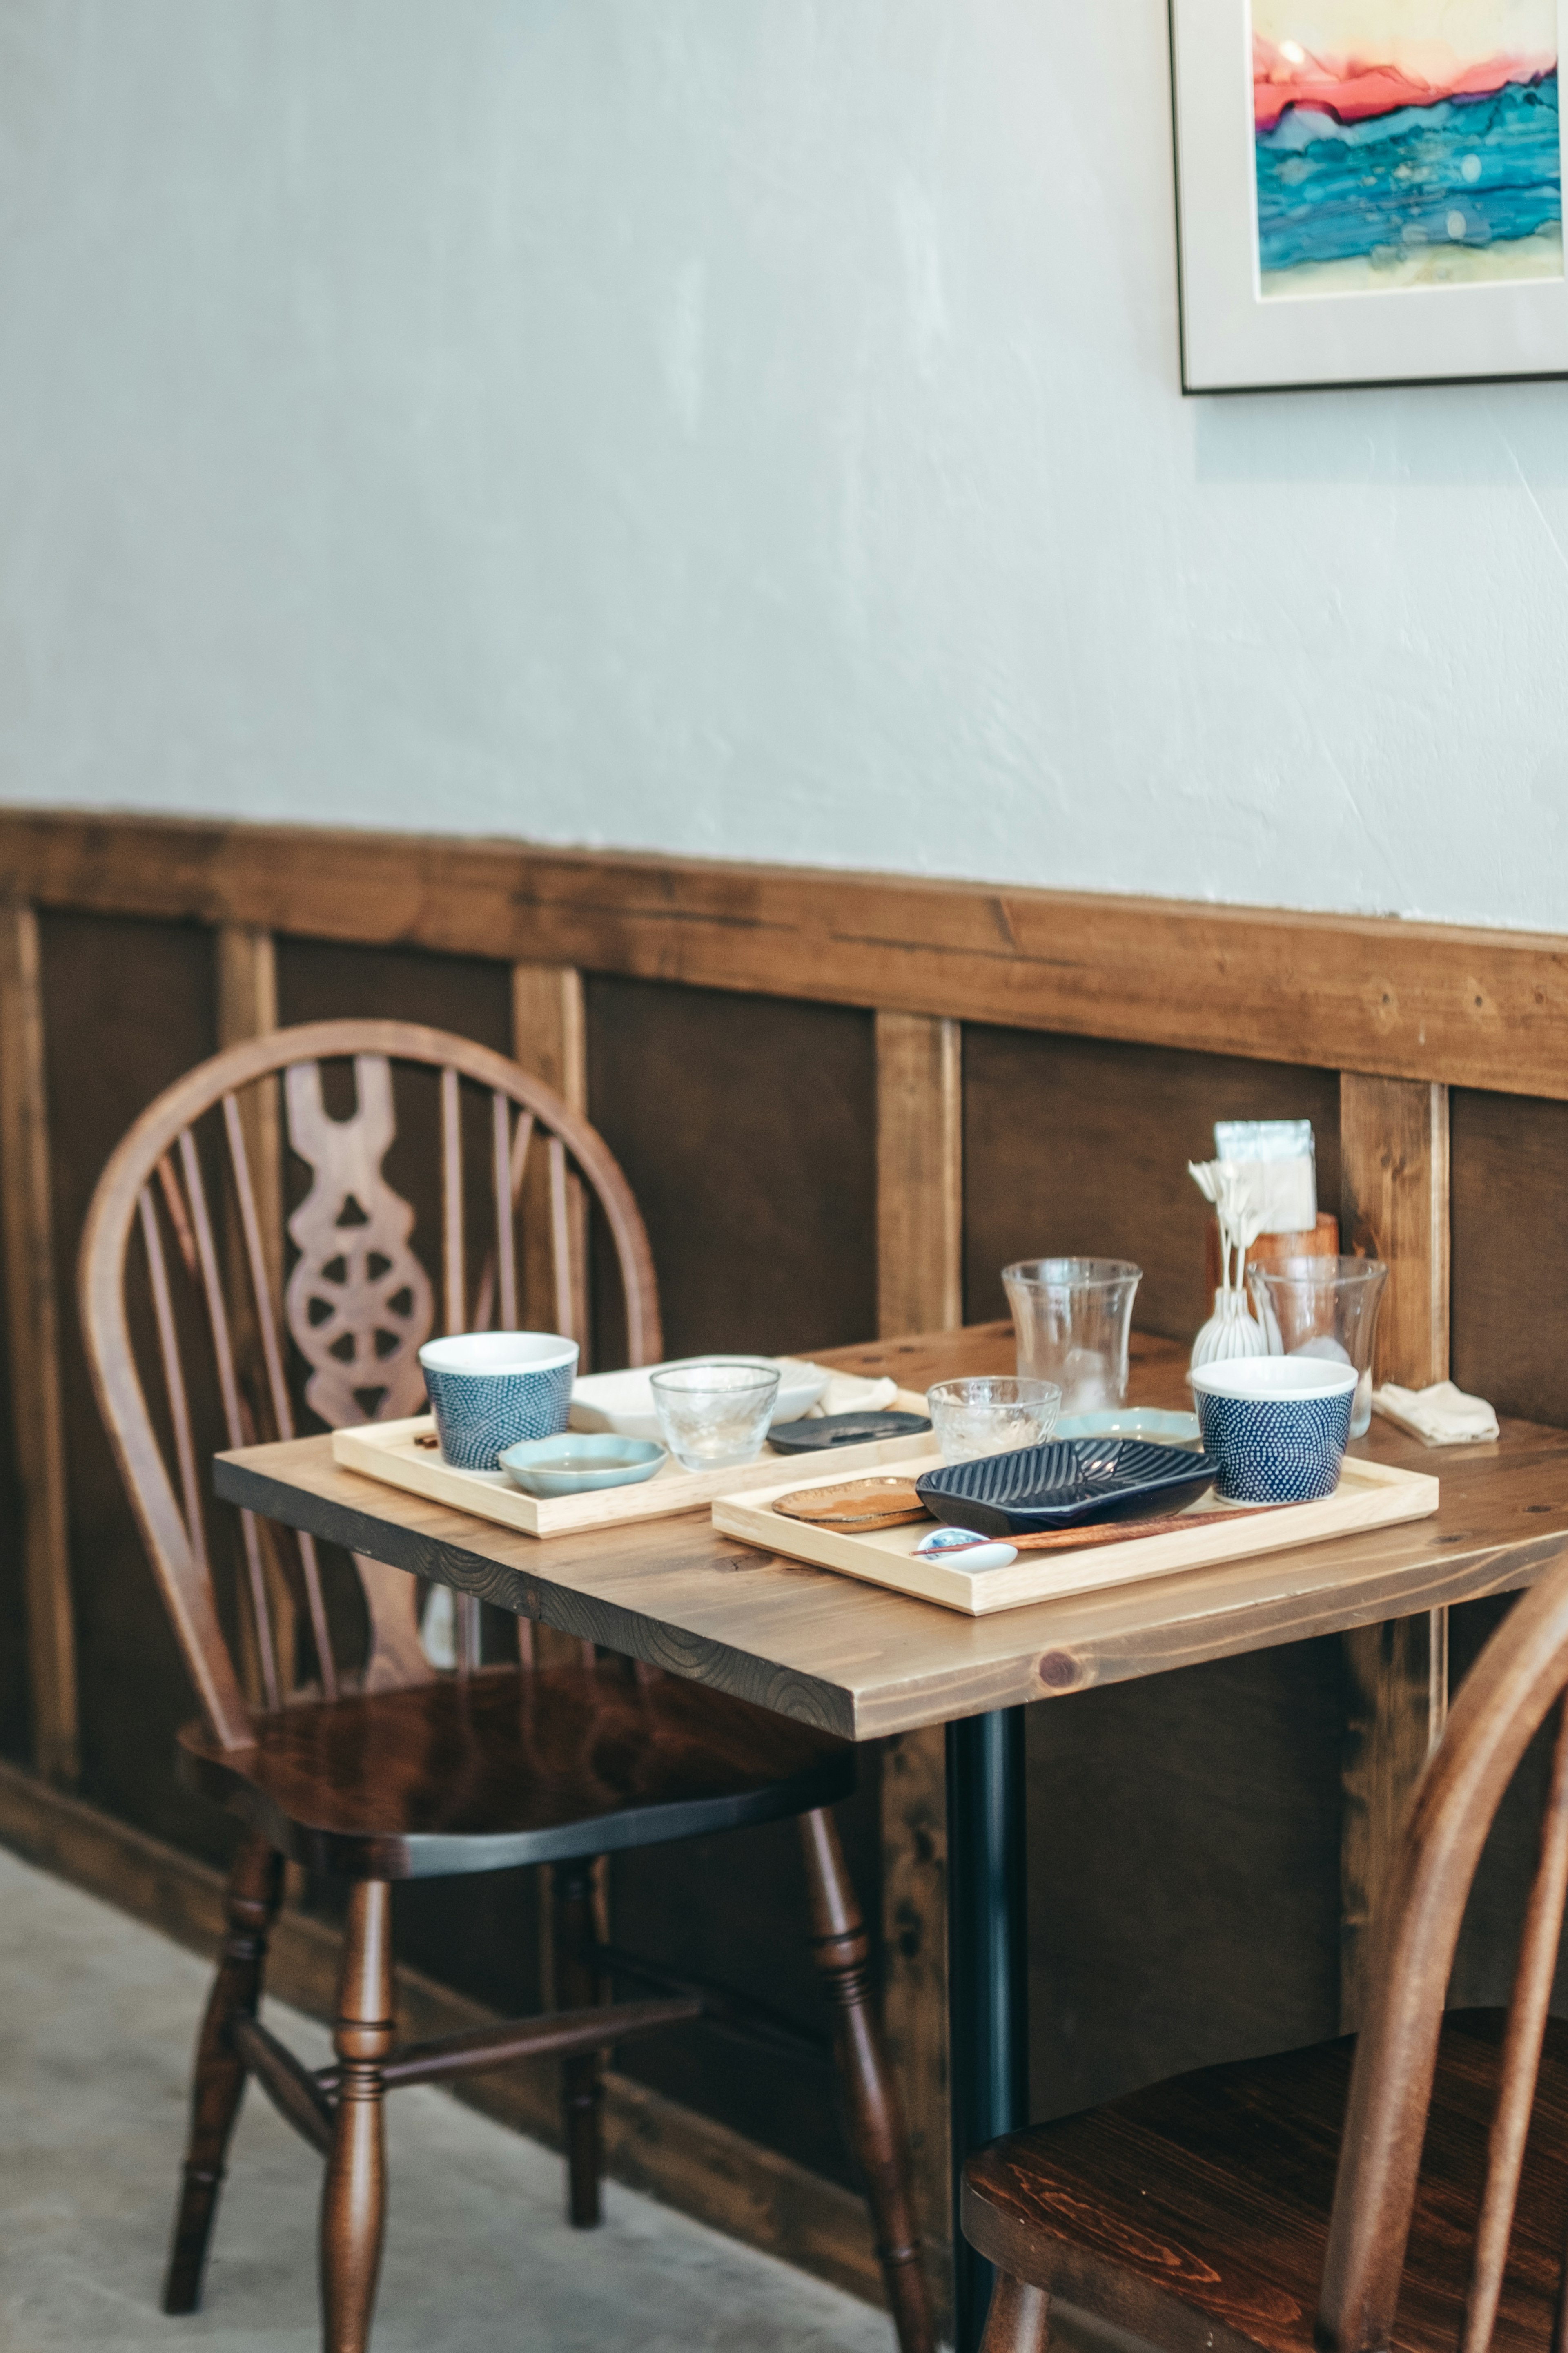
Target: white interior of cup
498, 1352
1274, 1377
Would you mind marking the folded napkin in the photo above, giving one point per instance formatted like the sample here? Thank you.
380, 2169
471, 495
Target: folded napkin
1441, 1416
846, 1393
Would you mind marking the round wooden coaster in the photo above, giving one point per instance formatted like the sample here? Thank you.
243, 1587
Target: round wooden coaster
858, 1505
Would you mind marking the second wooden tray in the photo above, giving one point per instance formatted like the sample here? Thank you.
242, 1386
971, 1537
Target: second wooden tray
391, 1452
1369, 1495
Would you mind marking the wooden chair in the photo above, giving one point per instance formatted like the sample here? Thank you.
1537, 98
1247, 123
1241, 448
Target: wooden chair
1363, 2193
389, 1771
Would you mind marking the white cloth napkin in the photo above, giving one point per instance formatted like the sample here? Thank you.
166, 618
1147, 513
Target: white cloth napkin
1441, 1416
846, 1393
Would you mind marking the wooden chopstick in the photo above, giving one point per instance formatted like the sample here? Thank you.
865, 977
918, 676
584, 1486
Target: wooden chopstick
1125, 1531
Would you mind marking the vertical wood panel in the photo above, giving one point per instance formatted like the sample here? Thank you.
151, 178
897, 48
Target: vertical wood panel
1394, 1160
30, 1273
920, 1174
920, 1288
247, 1008
1394, 1169
245, 975
550, 1037
1076, 1146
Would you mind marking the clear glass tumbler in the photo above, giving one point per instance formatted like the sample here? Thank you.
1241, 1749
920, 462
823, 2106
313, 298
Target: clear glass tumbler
1324, 1307
1072, 1316
990, 1416
715, 1410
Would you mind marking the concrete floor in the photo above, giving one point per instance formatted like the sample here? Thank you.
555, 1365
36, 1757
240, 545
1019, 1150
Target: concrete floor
98, 2016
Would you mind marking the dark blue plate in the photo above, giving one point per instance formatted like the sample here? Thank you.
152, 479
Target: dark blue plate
1070, 1483
842, 1429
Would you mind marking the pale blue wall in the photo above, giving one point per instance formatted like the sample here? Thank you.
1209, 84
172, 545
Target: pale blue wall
738, 426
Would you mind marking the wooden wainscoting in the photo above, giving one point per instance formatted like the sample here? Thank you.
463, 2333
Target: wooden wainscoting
845, 1100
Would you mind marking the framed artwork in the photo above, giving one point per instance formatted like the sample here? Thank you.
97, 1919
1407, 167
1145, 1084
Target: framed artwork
1368, 191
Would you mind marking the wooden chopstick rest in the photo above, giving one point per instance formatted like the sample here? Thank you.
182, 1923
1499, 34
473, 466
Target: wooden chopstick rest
858, 1505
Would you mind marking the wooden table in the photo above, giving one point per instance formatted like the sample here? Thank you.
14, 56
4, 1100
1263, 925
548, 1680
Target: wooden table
863, 1661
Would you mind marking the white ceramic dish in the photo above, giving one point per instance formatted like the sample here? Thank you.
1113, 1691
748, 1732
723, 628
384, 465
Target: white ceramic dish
1133, 1422
623, 1402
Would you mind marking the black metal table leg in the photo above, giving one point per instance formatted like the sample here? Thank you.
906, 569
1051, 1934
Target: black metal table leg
987, 1967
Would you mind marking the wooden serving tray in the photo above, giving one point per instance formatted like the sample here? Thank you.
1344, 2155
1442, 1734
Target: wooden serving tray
1370, 1495
387, 1450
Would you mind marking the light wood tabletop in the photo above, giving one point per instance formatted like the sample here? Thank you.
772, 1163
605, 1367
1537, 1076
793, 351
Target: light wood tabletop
862, 1661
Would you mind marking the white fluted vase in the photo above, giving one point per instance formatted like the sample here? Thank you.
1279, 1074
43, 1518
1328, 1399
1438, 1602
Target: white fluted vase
1230, 1331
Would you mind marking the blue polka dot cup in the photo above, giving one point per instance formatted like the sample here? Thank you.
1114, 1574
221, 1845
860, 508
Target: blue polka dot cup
492, 1389
1277, 1425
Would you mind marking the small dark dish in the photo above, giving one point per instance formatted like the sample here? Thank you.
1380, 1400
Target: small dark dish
842, 1429
1072, 1483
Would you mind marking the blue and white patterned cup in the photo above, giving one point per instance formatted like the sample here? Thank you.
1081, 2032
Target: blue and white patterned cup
490, 1389
1277, 1426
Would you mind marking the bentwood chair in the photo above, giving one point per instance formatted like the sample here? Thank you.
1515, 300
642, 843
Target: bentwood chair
386, 1769
1406, 2190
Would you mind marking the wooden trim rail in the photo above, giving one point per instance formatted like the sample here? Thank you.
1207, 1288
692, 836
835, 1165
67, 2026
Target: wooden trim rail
1464, 1007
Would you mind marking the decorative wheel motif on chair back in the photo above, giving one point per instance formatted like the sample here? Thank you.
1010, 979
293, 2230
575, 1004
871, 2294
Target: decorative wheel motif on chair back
359, 1303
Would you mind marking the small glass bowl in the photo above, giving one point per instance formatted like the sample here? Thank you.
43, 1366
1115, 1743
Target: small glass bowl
714, 1411
992, 1415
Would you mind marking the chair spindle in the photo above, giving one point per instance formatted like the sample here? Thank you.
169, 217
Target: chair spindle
173, 1375
277, 1387
228, 1391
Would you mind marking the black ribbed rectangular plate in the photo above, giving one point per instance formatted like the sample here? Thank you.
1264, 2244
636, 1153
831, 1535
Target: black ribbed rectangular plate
1070, 1484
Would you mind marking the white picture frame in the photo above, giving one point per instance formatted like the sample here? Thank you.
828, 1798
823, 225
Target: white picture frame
1233, 339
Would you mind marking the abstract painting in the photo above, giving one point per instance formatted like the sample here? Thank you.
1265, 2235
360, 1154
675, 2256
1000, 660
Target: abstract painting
1404, 144
1369, 191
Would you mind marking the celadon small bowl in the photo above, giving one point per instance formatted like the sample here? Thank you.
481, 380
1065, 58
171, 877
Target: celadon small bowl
576, 1464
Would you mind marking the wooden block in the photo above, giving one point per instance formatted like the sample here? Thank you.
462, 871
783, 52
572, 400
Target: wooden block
1321, 1240
1393, 1154
27, 1230
920, 1174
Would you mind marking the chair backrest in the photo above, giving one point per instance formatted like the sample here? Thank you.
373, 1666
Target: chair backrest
1519, 1677
184, 1269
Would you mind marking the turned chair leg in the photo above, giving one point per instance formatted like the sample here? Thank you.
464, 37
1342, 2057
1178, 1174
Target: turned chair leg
353, 2195
577, 1988
250, 1904
1019, 2317
840, 1947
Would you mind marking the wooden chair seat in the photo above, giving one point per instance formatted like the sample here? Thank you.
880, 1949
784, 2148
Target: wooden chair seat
504, 1769
1195, 2213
